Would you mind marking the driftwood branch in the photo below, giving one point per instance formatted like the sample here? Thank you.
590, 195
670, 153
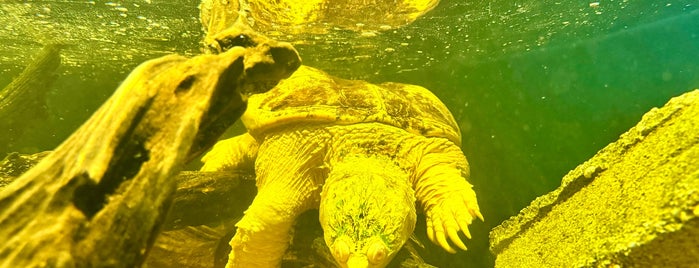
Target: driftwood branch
101, 197
202, 220
23, 101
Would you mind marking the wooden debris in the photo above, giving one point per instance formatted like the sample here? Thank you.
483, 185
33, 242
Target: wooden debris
634, 204
23, 101
100, 198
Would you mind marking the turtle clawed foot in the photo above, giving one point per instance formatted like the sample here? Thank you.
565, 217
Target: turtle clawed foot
451, 214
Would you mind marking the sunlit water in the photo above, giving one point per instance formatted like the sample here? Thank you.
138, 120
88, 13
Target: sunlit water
537, 88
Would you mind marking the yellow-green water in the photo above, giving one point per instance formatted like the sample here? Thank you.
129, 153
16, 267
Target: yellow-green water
537, 88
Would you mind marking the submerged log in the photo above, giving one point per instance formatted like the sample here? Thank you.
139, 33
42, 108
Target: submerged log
197, 230
23, 101
15, 164
634, 204
100, 198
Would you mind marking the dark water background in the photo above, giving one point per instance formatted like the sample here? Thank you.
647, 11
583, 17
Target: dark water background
537, 88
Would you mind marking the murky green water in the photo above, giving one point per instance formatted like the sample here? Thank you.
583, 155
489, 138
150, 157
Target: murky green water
537, 88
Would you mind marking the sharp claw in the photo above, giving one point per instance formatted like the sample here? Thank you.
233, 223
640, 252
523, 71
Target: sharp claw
479, 215
442, 241
430, 231
438, 235
463, 225
472, 204
467, 233
430, 235
454, 237
439, 229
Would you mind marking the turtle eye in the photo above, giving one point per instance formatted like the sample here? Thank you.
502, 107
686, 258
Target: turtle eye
240, 40
376, 253
341, 251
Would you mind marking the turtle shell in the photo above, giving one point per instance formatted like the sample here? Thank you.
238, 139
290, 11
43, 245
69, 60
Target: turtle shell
312, 96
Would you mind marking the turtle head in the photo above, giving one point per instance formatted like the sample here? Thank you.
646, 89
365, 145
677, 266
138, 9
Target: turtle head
367, 211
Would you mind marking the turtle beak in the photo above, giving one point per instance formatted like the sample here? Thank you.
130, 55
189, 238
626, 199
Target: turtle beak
356, 261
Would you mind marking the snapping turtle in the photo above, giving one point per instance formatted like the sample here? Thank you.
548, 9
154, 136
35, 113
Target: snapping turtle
360, 153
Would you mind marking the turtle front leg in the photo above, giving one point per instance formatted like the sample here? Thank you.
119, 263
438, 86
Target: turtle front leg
447, 198
287, 186
263, 233
237, 153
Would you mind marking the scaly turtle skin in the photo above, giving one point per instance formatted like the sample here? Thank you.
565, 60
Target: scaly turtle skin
360, 153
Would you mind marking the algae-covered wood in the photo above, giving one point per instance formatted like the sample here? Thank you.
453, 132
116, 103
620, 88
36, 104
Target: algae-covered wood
100, 198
